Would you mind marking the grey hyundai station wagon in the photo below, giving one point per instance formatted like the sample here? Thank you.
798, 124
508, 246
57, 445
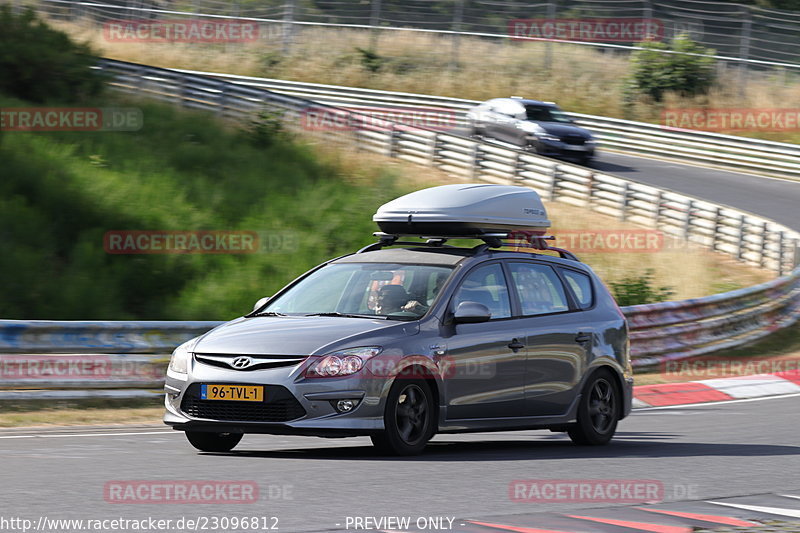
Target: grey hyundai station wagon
405, 339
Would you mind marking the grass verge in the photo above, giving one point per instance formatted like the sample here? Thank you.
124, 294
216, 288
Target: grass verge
33, 413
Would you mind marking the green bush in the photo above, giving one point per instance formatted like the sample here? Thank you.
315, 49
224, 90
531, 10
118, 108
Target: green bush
635, 290
656, 72
371, 60
40, 64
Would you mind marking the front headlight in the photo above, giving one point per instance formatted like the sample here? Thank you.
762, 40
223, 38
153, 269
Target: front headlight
342, 362
179, 362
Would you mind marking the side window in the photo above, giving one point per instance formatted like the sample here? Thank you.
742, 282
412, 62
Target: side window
539, 288
581, 286
486, 285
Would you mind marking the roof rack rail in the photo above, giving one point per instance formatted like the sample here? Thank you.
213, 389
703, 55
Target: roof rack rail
490, 240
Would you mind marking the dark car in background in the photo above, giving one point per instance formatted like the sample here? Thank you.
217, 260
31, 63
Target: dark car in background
540, 127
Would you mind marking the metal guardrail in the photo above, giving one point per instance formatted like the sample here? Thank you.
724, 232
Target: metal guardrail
69, 359
624, 136
119, 355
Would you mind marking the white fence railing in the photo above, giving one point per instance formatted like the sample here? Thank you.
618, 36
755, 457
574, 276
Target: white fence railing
659, 332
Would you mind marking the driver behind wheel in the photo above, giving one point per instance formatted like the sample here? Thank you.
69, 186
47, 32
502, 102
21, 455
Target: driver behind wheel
394, 299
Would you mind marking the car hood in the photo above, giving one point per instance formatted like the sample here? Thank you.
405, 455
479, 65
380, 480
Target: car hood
299, 335
560, 129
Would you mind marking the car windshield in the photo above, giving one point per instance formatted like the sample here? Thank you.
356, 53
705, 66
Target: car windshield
385, 290
544, 113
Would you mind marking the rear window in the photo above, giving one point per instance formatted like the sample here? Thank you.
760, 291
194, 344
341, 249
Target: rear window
581, 286
539, 289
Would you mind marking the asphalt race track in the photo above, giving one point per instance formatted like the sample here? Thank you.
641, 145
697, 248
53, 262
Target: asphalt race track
772, 198
745, 450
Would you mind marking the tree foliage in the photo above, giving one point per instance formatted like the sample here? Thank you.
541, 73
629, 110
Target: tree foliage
40, 64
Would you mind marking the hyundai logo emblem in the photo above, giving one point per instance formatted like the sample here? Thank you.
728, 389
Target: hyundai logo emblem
241, 362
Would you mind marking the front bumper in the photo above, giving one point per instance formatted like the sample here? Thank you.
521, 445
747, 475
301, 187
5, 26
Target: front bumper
563, 150
292, 404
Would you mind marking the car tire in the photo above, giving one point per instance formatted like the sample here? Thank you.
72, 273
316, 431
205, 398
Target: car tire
408, 428
598, 411
213, 442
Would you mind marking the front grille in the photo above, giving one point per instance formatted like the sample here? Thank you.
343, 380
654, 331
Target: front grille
260, 362
279, 406
573, 139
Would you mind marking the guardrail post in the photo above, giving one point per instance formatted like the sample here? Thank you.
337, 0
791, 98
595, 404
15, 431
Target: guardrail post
717, 225
288, 27
548, 46
393, 137
744, 50
590, 190
764, 243
477, 158
781, 256
458, 17
742, 232
222, 100
515, 173
374, 21
555, 176
796, 259
434, 155
183, 90
623, 204
657, 210
687, 223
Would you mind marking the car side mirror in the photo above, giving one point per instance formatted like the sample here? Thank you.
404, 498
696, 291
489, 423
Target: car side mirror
261, 302
471, 313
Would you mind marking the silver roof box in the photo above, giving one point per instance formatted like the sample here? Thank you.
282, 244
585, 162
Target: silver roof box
460, 210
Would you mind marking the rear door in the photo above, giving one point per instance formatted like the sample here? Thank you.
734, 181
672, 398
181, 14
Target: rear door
486, 361
558, 339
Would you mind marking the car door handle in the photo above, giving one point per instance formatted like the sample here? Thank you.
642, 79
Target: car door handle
583, 337
515, 345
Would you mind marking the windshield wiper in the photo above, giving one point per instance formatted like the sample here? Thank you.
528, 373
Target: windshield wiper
347, 315
269, 313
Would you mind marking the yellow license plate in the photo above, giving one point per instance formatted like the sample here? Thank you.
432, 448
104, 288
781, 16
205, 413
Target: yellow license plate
236, 393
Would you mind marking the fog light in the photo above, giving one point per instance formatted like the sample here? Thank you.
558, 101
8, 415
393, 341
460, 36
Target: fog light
345, 406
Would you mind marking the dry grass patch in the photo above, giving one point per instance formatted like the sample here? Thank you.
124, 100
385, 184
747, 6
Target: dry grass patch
580, 78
